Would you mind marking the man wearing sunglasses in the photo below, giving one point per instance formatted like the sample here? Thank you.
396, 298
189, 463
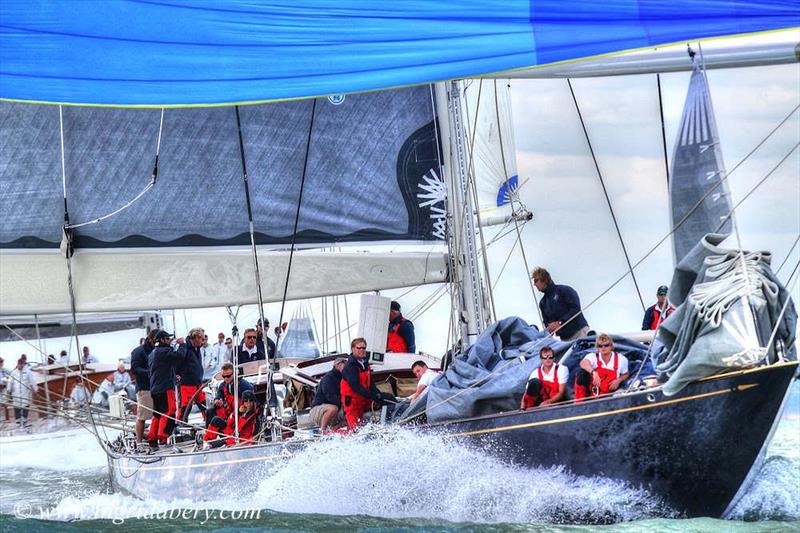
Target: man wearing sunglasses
224, 400
250, 350
547, 384
358, 391
601, 372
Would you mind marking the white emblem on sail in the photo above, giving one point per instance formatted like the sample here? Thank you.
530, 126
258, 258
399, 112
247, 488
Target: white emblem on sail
433, 195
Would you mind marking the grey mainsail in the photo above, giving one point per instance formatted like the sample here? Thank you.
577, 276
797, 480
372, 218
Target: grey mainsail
367, 156
698, 173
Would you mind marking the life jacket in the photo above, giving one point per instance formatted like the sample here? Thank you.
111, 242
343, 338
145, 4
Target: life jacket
658, 318
549, 388
247, 429
351, 400
607, 375
394, 341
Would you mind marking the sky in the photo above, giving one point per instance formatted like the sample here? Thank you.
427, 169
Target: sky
572, 233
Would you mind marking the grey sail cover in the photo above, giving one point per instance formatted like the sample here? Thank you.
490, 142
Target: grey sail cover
697, 168
367, 157
728, 311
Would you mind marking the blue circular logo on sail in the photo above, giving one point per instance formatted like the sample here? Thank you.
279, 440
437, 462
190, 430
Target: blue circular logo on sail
336, 99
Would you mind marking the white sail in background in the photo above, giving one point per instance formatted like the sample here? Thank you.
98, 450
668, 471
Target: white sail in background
300, 339
697, 173
488, 114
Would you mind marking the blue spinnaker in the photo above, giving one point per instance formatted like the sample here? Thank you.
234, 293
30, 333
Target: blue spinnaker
195, 52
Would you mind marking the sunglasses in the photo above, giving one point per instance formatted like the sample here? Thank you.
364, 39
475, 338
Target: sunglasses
551, 356
228, 342
361, 347
604, 345
226, 376
250, 337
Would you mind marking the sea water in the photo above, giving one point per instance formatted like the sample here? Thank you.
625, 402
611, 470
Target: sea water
385, 479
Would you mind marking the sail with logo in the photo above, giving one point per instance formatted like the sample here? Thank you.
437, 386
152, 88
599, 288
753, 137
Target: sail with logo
490, 133
367, 156
698, 172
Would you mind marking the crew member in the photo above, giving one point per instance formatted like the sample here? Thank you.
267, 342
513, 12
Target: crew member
560, 306
190, 372
247, 427
401, 332
357, 390
224, 399
21, 388
122, 381
249, 350
659, 311
161, 365
547, 384
425, 376
261, 338
327, 404
140, 371
601, 372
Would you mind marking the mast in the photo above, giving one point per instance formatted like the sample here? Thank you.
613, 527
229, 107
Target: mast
473, 311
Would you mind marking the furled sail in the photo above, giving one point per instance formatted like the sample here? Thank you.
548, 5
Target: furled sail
490, 133
195, 52
366, 158
698, 174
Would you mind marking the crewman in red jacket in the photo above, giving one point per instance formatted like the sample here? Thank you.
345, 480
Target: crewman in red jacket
547, 384
358, 392
601, 372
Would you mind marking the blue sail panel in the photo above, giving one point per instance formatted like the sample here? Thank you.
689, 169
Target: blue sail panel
506, 190
195, 52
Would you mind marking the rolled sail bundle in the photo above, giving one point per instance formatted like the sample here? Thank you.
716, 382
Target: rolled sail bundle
732, 312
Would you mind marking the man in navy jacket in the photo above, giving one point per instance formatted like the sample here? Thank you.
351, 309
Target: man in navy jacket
560, 306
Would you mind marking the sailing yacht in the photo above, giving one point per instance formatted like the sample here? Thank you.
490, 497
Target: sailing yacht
120, 227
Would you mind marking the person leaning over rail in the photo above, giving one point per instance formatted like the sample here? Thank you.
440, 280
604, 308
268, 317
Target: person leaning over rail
560, 306
546, 384
161, 364
601, 372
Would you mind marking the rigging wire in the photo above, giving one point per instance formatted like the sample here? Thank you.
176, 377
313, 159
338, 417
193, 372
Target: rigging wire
788, 255
605, 193
297, 211
663, 128
68, 248
514, 196
150, 185
754, 188
694, 208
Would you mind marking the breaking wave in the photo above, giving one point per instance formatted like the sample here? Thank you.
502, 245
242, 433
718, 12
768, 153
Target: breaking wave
395, 473
386, 473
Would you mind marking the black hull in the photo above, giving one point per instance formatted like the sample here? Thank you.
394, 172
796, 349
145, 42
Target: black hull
694, 449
